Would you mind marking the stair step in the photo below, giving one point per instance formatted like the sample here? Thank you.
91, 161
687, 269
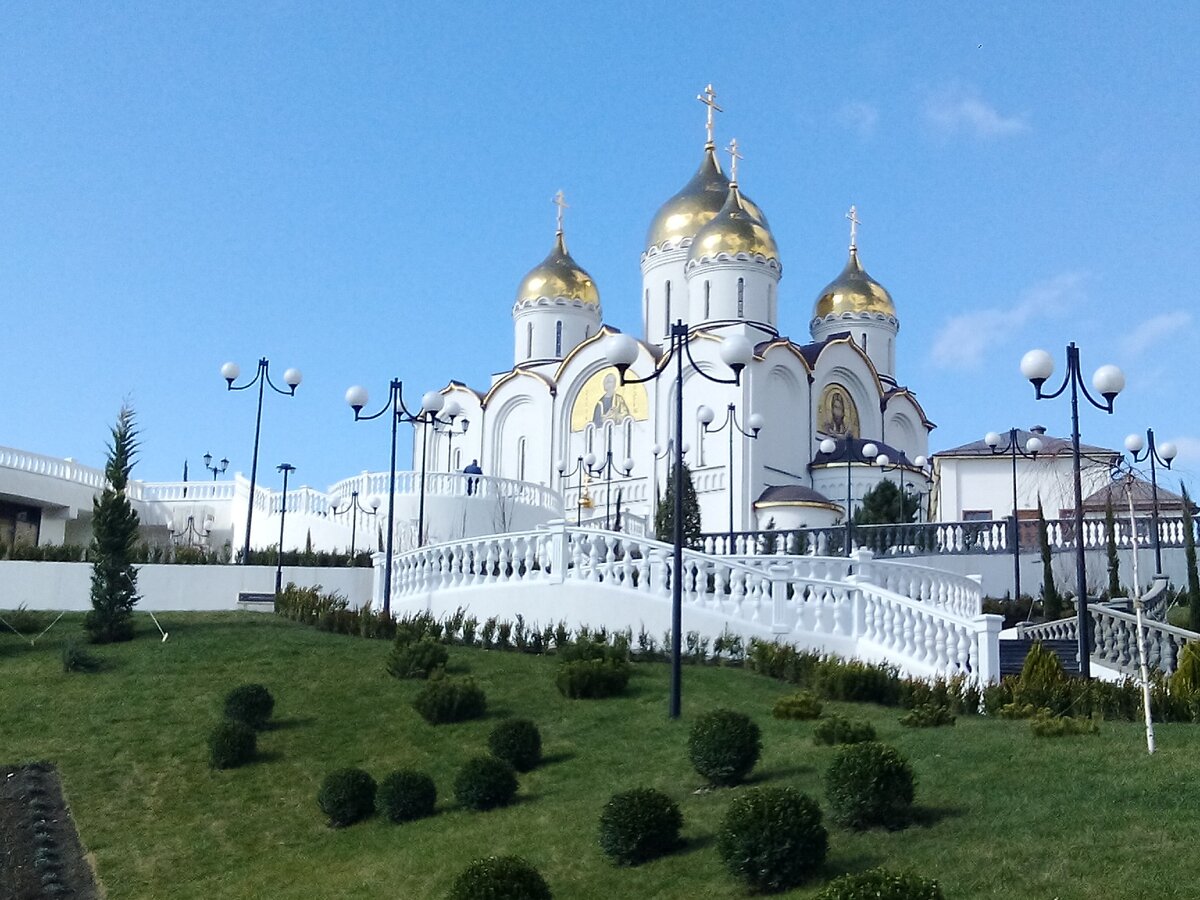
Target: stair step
1014, 650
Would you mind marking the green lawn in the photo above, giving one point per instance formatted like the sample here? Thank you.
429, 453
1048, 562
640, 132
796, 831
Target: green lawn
1002, 814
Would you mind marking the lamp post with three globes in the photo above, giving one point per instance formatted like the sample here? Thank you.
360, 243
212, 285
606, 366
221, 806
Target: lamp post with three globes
754, 425
1033, 446
869, 453
1148, 451
354, 507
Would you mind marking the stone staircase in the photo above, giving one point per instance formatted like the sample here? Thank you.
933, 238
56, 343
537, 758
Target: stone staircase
1014, 650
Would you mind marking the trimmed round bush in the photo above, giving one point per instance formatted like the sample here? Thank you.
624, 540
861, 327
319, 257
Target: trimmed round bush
800, 705
251, 704
346, 796
450, 700
724, 746
500, 878
592, 679
231, 744
484, 783
518, 742
639, 825
772, 838
837, 729
419, 659
882, 884
869, 784
406, 795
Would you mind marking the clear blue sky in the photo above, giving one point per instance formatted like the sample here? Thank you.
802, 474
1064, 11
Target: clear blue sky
356, 190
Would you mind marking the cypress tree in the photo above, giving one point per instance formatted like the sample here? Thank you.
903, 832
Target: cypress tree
1189, 549
115, 531
664, 516
1114, 562
1051, 601
884, 505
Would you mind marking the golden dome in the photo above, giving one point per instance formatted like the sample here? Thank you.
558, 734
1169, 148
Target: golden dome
559, 276
735, 229
696, 205
854, 291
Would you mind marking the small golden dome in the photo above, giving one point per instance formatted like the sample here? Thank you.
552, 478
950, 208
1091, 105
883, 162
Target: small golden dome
735, 229
696, 205
854, 291
558, 276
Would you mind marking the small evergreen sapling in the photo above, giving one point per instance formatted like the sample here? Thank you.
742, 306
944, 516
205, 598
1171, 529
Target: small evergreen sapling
1189, 549
114, 543
1051, 600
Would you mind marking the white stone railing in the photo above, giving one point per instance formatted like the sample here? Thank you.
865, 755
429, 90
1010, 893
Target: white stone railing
199, 491
51, 467
452, 484
935, 630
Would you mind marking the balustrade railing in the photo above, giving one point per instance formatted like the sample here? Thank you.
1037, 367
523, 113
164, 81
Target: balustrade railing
453, 484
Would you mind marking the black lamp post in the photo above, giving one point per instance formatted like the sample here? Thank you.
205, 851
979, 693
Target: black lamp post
579, 468
869, 452
291, 377
705, 415
431, 404
1038, 366
606, 469
1148, 451
353, 507
1032, 448
286, 469
449, 430
622, 352
216, 470
193, 535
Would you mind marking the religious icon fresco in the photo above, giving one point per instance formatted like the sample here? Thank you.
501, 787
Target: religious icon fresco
604, 399
837, 416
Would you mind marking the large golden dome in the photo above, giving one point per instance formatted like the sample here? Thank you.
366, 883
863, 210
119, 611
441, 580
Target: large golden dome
854, 291
558, 276
734, 230
696, 205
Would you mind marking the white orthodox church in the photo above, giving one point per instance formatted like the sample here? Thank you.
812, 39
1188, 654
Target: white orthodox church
562, 417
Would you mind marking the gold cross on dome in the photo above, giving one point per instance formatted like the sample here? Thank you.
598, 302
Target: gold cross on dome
854, 223
734, 156
561, 203
709, 99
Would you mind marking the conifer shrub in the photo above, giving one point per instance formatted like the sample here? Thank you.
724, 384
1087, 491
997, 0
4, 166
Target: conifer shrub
882, 884
1185, 680
639, 825
77, 659
418, 659
724, 745
800, 705
484, 783
592, 679
518, 742
1044, 725
927, 715
231, 744
500, 878
346, 796
251, 704
837, 729
772, 838
1043, 682
450, 700
869, 784
406, 795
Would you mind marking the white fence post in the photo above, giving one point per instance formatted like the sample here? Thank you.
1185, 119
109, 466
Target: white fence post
987, 633
558, 550
779, 587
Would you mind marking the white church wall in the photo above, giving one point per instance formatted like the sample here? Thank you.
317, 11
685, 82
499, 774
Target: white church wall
664, 293
975, 485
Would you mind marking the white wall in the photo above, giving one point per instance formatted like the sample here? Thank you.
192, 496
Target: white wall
67, 586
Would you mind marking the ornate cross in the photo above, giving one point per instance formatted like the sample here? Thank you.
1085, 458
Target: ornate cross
561, 203
854, 223
734, 156
709, 99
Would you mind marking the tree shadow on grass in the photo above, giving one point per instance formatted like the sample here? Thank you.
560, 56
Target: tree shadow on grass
267, 756
928, 816
839, 864
289, 722
551, 759
778, 771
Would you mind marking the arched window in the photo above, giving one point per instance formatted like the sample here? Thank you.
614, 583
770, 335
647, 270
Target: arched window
667, 311
458, 460
771, 302
520, 459
628, 439
558, 338
528, 339
741, 297
700, 435
589, 435
608, 437
707, 297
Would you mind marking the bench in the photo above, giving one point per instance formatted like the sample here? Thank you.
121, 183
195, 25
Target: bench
256, 601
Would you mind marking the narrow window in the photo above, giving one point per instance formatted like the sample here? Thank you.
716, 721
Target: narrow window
521, 459
707, 297
589, 436
628, 438
558, 338
741, 297
529, 340
608, 436
458, 459
667, 310
864, 337
771, 301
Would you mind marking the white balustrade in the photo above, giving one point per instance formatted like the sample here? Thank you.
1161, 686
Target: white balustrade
1114, 638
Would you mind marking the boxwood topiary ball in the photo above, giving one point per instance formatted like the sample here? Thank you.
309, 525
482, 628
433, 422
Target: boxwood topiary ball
772, 838
250, 703
869, 784
406, 795
231, 744
484, 783
639, 825
346, 796
500, 878
724, 746
882, 884
518, 742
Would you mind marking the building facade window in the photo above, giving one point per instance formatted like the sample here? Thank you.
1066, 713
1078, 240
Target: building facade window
707, 297
667, 311
521, 459
558, 338
741, 298
528, 340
